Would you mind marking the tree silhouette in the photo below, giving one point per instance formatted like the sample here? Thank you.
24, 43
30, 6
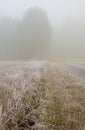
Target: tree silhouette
34, 35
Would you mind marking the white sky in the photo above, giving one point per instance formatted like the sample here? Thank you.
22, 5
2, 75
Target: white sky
57, 10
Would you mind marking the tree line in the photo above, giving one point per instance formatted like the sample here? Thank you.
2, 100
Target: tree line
33, 36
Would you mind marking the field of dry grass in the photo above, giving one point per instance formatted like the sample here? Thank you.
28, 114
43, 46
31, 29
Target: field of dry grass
40, 95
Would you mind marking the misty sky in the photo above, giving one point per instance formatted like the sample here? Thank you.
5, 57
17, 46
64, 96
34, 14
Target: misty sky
57, 10
68, 23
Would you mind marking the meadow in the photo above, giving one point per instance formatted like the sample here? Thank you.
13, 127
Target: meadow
40, 95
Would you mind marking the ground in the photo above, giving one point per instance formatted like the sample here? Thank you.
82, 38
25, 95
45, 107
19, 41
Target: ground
41, 95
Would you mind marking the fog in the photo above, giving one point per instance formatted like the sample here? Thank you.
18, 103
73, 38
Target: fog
51, 29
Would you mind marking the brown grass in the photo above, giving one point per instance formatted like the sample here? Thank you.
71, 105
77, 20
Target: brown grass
38, 95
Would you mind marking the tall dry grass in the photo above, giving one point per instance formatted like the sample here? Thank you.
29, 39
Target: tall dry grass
39, 95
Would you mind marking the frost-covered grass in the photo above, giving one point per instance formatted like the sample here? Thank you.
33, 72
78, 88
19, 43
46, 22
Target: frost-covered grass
39, 95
